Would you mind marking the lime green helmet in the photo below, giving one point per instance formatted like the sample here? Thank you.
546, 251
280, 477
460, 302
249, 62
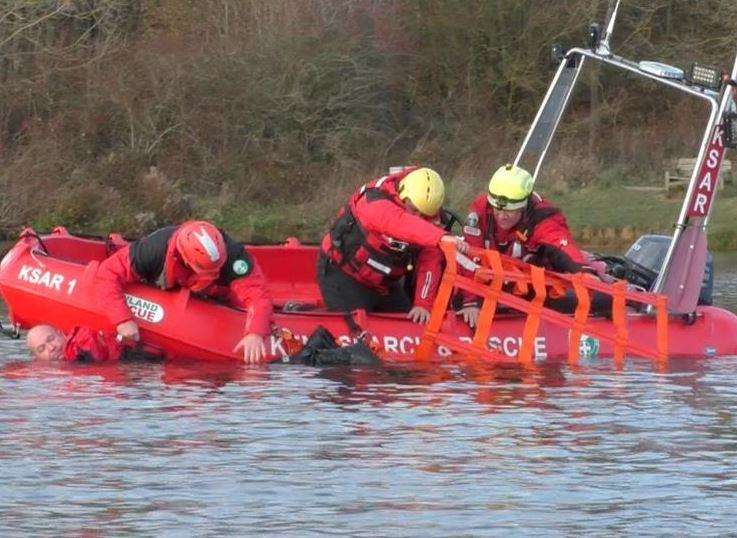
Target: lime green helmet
425, 189
510, 187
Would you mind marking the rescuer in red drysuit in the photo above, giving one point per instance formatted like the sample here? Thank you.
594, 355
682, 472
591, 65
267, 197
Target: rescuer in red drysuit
518, 222
194, 255
383, 233
46, 343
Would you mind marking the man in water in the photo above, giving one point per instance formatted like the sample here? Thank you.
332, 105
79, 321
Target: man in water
48, 344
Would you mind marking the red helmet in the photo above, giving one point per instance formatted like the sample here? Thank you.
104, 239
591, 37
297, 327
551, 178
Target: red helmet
202, 248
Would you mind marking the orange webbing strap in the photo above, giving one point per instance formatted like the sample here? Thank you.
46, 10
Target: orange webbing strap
619, 317
583, 305
662, 327
516, 273
521, 288
557, 289
532, 323
488, 307
483, 275
440, 305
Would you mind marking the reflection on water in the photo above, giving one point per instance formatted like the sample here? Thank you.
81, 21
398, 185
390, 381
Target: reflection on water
188, 449
725, 280
292, 450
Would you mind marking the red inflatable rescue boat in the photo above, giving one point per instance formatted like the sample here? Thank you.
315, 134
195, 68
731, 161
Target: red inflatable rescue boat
50, 279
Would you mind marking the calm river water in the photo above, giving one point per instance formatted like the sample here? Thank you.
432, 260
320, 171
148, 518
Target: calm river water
158, 449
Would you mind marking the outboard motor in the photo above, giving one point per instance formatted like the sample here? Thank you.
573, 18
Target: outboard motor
644, 259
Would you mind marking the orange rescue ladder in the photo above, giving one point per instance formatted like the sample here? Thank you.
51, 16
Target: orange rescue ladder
492, 275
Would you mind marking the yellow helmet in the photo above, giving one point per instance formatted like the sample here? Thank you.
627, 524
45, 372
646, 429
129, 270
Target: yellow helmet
424, 188
510, 187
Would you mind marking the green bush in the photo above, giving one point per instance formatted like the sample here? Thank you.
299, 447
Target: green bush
264, 116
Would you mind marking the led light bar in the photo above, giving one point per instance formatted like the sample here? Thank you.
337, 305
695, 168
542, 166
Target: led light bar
662, 70
705, 76
557, 53
594, 37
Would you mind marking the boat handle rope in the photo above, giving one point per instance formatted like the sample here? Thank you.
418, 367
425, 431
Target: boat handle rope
11, 332
34, 252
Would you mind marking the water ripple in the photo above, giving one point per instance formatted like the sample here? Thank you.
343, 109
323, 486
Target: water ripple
157, 449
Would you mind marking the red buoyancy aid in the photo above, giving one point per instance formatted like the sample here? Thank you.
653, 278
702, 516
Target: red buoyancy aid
541, 231
373, 257
85, 344
541, 237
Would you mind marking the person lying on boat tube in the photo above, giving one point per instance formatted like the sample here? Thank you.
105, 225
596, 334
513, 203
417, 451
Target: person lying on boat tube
194, 255
513, 219
389, 228
48, 344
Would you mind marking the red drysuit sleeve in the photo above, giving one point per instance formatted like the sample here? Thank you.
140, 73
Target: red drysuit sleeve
112, 276
85, 344
386, 217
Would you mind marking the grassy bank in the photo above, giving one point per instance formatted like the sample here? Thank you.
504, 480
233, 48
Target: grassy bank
614, 216
602, 215
264, 116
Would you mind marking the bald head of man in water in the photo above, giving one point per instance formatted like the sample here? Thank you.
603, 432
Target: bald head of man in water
45, 343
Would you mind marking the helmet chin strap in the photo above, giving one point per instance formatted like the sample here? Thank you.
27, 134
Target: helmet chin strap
409, 205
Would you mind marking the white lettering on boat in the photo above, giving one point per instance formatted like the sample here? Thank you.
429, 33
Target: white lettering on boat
708, 176
276, 347
39, 277
406, 345
145, 310
511, 345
